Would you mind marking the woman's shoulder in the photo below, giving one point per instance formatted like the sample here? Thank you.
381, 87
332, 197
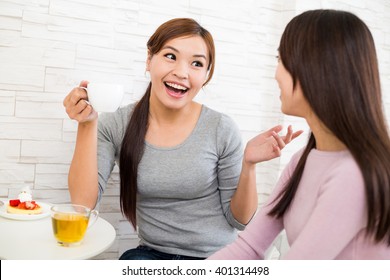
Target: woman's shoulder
113, 125
221, 120
125, 111
339, 161
222, 128
295, 158
120, 117
334, 160
337, 168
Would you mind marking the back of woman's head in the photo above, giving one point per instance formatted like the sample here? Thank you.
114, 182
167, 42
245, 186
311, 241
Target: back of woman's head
182, 27
331, 55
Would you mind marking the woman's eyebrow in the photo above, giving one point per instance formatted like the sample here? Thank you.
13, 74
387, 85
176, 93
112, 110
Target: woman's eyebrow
172, 48
200, 55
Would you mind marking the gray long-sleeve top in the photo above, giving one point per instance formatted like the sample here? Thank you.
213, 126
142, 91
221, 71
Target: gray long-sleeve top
184, 192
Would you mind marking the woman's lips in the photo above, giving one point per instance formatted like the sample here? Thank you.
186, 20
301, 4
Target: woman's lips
175, 90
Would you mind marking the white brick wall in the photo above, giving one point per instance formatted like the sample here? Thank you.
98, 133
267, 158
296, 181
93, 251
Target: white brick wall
48, 46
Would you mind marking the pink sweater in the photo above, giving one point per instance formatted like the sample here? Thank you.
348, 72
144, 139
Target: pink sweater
326, 219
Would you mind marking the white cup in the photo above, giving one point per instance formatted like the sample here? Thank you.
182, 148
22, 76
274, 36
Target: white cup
104, 97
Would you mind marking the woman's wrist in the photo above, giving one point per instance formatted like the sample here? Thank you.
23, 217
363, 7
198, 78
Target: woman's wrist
248, 168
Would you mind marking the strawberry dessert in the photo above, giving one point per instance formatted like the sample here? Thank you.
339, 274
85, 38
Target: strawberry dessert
24, 204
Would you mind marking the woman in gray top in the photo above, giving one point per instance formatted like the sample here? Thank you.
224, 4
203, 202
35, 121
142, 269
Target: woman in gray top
183, 180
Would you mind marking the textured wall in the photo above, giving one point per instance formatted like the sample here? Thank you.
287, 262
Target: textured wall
48, 46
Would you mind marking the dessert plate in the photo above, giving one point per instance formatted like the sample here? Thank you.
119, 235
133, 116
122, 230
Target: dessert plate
25, 217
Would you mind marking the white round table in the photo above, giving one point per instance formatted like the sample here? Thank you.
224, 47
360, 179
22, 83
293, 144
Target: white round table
34, 240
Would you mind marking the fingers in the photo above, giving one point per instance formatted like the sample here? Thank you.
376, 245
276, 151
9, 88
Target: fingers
85, 113
277, 150
268, 145
269, 132
77, 112
291, 135
76, 104
282, 141
296, 134
74, 96
288, 137
83, 83
279, 141
276, 129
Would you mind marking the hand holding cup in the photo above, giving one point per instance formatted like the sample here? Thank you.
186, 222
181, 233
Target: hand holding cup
84, 101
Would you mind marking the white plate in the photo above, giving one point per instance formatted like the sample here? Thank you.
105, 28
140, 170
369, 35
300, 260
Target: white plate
25, 217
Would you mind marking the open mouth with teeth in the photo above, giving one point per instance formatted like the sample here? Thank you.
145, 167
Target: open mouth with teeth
175, 88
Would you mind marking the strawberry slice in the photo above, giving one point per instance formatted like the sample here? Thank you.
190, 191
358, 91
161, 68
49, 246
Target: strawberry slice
30, 205
22, 205
14, 202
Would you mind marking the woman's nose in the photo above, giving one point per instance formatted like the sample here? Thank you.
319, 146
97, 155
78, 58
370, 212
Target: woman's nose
181, 71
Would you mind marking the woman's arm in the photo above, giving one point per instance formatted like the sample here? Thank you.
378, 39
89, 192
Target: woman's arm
83, 174
337, 218
254, 241
263, 147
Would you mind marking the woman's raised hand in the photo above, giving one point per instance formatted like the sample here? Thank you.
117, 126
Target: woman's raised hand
77, 106
268, 145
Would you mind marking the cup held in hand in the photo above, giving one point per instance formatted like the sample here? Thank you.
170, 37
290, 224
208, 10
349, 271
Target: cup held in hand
104, 97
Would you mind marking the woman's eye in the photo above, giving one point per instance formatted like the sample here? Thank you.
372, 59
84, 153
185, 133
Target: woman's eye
170, 56
278, 58
197, 64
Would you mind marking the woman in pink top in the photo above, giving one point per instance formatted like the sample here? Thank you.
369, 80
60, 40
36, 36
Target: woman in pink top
333, 198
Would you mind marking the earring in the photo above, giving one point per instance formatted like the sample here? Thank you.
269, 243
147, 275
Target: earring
147, 74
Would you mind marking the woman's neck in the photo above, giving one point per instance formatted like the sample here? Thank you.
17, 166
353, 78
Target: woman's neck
325, 139
168, 128
161, 115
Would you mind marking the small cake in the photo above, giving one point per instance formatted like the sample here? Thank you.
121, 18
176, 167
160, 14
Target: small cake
24, 204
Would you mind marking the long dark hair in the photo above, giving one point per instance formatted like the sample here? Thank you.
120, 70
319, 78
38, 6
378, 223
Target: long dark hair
332, 56
133, 142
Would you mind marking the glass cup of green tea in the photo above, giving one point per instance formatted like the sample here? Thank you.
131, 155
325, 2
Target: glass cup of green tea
70, 222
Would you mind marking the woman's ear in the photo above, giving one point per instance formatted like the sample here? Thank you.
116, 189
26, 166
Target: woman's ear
148, 59
206, 78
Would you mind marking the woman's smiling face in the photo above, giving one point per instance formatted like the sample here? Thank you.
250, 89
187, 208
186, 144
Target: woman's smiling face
178, 71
